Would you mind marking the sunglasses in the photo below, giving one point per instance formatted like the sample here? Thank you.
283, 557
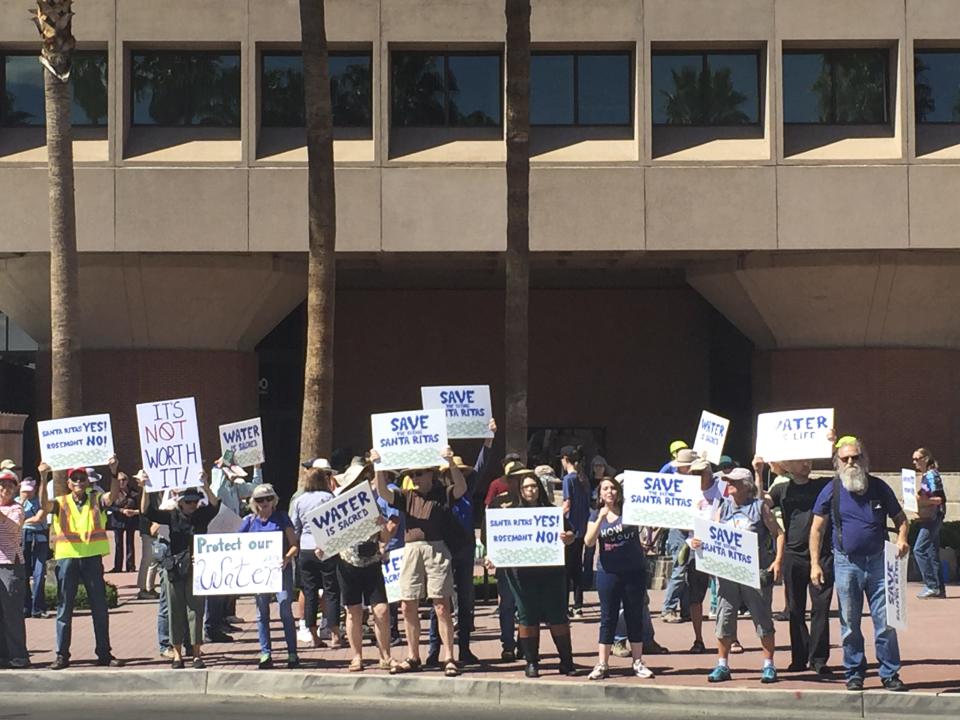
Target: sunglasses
265, 499
190, 502
850, 459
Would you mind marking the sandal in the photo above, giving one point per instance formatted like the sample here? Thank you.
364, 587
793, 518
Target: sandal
698, 648
736, 648
408, 665
356, 665
451, 669
386, 664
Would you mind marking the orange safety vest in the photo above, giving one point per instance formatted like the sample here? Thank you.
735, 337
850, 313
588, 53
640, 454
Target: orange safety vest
79, 531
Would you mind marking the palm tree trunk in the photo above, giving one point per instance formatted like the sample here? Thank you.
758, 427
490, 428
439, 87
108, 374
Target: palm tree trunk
316, 428
517, 341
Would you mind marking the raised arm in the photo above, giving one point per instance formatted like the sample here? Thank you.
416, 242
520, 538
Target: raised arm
43, 477
107, 499
205, 486
381, 480
459, 481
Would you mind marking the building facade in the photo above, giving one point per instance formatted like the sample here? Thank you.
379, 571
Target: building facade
742, 205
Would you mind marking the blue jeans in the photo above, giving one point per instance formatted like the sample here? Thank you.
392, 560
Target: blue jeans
648, 631
89, 571
675, 596
856, 576
463, 583
507, 612
286, 615
926, 551
36, 550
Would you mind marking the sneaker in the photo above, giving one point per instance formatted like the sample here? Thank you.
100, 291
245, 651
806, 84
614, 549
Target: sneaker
148, 595
20, 663
654, 648
266, 662
620, 649
508, 656
198, 663
927, 593
304, 637
768, 675
293, 661
109, 661
60, 663
894, 684
167, 653
641, 670
721, 673
234, 620
600, 672
577, 612
671, 616
855, 683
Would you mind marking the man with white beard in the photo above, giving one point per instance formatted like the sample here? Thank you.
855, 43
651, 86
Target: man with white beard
857, 505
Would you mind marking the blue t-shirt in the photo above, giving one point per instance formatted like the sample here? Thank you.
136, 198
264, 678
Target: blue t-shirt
620, 549
864, 517
391, 513
579, 497
278, 522
31, 506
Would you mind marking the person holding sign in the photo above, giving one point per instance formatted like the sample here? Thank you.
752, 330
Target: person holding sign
78, 529
932, 507
857, 506
13, 632
185, 521
743, 510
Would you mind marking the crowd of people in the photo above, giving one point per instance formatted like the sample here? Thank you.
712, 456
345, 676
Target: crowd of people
816, 534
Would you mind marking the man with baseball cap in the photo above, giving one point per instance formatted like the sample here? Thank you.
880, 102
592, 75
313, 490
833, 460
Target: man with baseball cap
675, 605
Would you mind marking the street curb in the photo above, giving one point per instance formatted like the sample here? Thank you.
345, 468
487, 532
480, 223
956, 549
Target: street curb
717, 702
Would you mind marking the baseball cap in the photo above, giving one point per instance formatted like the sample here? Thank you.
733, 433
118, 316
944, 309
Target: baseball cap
737, 475
93, 475
263, 491
8, 464
28, 485
8, 477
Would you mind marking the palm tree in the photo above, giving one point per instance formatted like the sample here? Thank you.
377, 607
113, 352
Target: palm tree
53, 20
316, 428
517, 300
704, 98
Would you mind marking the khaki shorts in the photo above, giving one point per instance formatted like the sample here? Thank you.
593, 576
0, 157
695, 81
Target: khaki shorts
427, 571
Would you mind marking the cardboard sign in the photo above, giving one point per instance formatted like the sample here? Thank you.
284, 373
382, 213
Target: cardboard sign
660, 500
237, 563
170, 443
345, 521
467, 407
392, 564
909, 480
525, 537
82, 441
727, 552
795, 435
226, 521
711, 436
245, 438
414, 438
895, 585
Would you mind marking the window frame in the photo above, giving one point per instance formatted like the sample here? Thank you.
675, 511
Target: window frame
4, 54
447, 54
833, 85
756, 52
170, 52
576, 54
368, 54
931, 51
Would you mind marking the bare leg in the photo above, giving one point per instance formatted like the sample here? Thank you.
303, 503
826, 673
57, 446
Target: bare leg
411, 623
603, 653
769, 644
381, 627
445, 626
723, 647
355, 630
696, 618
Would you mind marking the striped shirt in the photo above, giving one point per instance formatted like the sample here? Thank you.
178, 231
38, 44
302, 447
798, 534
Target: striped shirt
11, 525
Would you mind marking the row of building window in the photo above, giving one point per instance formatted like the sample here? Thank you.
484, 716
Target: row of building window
465, 89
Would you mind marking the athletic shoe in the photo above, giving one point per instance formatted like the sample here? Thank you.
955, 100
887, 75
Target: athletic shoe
304, 637
293, 661
768, 675
600, 672
59, 663
620, 649
671, 616
641, 670
145, 595
508, 656
20, 663
168, 654
855, 683
894, 684
927, 593
234, 619
721, 673
266, 662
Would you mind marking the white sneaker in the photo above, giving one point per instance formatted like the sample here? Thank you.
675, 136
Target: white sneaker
641, 670
599, 672
304, 638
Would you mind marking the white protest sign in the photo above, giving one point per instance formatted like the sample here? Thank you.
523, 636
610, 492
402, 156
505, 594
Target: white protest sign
467, 407
170, 443
226, 521
711, 435
414, 438
895, 586
392, 564
347, 520
727, 552
80, 441
237, 563
660, 500
525, 537
795, 434
909, 480
245, 438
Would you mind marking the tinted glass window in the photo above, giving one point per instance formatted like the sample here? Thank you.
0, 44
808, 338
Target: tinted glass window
580, 89
183, 89
937, 87
455, 90
706, 89
21, 99
551, 90
836, 87
282, 90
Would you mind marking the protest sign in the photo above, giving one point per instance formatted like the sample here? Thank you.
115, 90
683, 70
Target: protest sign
245, 438
895, 586
72, 442
392, 564
237, 563
795, 434
727, 552
467, 407
170, 443
414, 438
345, 521
909, 480
711, 435
660, 500
525, 537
